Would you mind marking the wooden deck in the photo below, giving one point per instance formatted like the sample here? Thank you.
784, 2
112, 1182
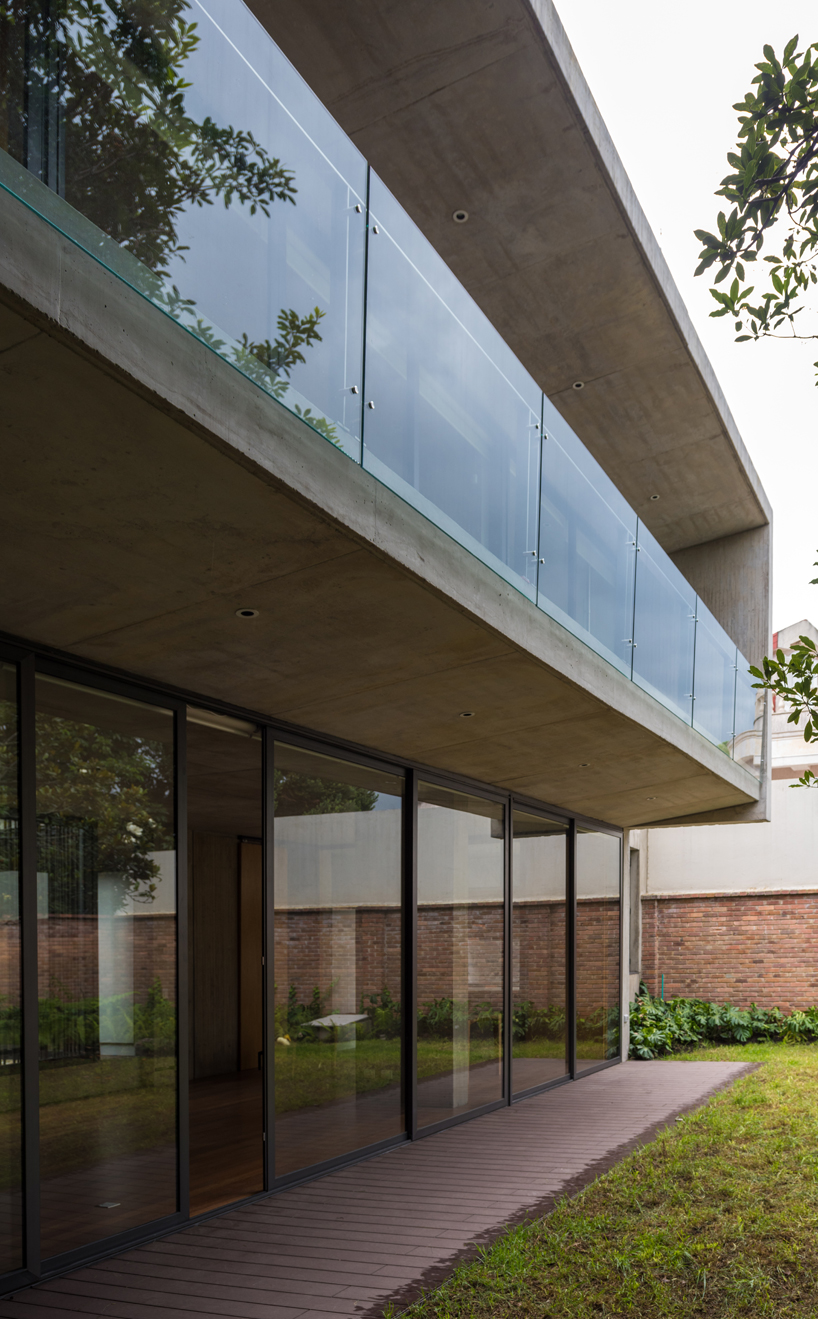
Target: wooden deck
389, 1227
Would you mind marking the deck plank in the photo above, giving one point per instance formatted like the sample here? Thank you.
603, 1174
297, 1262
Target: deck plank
343, 1245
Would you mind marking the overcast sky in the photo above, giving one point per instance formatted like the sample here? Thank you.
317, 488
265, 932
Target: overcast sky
665, 76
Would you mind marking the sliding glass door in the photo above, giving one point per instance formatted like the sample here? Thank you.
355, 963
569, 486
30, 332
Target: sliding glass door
598, 886
225, 923
11, 1128
460, 936
338, 958
538, 941
106, 937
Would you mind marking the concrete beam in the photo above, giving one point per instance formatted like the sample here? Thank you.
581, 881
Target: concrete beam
150, 490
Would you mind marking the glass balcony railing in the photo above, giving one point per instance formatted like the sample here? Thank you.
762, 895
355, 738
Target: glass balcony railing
178, 146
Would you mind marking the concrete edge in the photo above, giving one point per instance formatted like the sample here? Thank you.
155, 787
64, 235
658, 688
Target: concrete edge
79, 302
437, 1274
567, 65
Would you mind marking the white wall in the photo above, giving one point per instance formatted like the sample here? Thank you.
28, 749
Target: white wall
734, 858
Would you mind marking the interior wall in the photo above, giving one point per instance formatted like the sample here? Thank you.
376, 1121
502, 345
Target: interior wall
214, 925
251, 1036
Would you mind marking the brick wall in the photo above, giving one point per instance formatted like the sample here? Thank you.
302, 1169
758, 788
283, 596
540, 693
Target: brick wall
68, 956
737, 948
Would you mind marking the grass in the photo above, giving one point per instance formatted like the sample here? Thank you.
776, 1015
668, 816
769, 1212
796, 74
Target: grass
311, 1074
717, 1217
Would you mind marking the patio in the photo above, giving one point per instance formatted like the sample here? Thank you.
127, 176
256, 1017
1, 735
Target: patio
391, 1226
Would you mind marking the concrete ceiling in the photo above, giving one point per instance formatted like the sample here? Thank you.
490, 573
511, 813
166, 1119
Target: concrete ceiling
480, 104
130, 538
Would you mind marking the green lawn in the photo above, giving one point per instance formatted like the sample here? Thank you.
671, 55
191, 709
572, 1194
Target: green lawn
312, 1074
718, 1217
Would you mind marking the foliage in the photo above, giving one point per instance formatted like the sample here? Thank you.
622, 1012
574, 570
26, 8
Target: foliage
795, 680
773, 188
442, 1018
658, 1027
384, 1012
70, 1028
304, 794
104, 804
133, 159
714, 1217
529, 1022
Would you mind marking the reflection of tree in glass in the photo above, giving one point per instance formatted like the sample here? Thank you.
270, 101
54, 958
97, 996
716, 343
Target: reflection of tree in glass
103, 806
300, 794
100, 85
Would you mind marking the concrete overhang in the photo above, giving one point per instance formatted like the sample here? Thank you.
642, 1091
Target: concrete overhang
150, 491
481, 105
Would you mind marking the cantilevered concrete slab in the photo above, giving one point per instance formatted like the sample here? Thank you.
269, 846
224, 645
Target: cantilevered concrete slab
149, 491
480, 105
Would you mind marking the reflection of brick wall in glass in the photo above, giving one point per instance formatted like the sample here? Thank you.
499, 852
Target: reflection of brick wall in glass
338, 990
539, 877
460, 952
598, 870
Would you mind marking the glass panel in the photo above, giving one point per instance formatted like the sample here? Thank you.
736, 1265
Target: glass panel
714, 679
460, 953
225, 926
749, 718
598, 874
663, 628
11, 1164
454, 426
587, 546
538, 948
338, 829
106, 932
159, 145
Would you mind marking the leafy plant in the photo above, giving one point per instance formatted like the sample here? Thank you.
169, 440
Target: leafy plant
773, 188
662, 1027
529, 1022
111, 76
795, 679
384, 1012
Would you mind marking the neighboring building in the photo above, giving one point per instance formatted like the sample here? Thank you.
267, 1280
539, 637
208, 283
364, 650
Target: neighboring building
379, 550
731, 914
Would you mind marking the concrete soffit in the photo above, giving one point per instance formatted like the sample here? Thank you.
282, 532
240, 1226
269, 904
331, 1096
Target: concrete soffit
481, 104
131, 450
570, 74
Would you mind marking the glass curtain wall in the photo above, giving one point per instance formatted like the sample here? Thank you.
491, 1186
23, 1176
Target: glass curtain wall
598, 888
11, 1163
538, 941
338, 957
106, 934
225, 922
460, 936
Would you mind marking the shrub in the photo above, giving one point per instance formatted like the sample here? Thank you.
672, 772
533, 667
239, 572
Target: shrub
660, 1027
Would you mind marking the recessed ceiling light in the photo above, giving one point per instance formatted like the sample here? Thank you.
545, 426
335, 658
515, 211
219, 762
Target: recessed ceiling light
654, 496
579, 384
467, 714
246, 613
460, 216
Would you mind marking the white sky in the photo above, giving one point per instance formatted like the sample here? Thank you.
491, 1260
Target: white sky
665, 76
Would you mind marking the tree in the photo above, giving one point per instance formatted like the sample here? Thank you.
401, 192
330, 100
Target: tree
92, 100
773, 188
304, 794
